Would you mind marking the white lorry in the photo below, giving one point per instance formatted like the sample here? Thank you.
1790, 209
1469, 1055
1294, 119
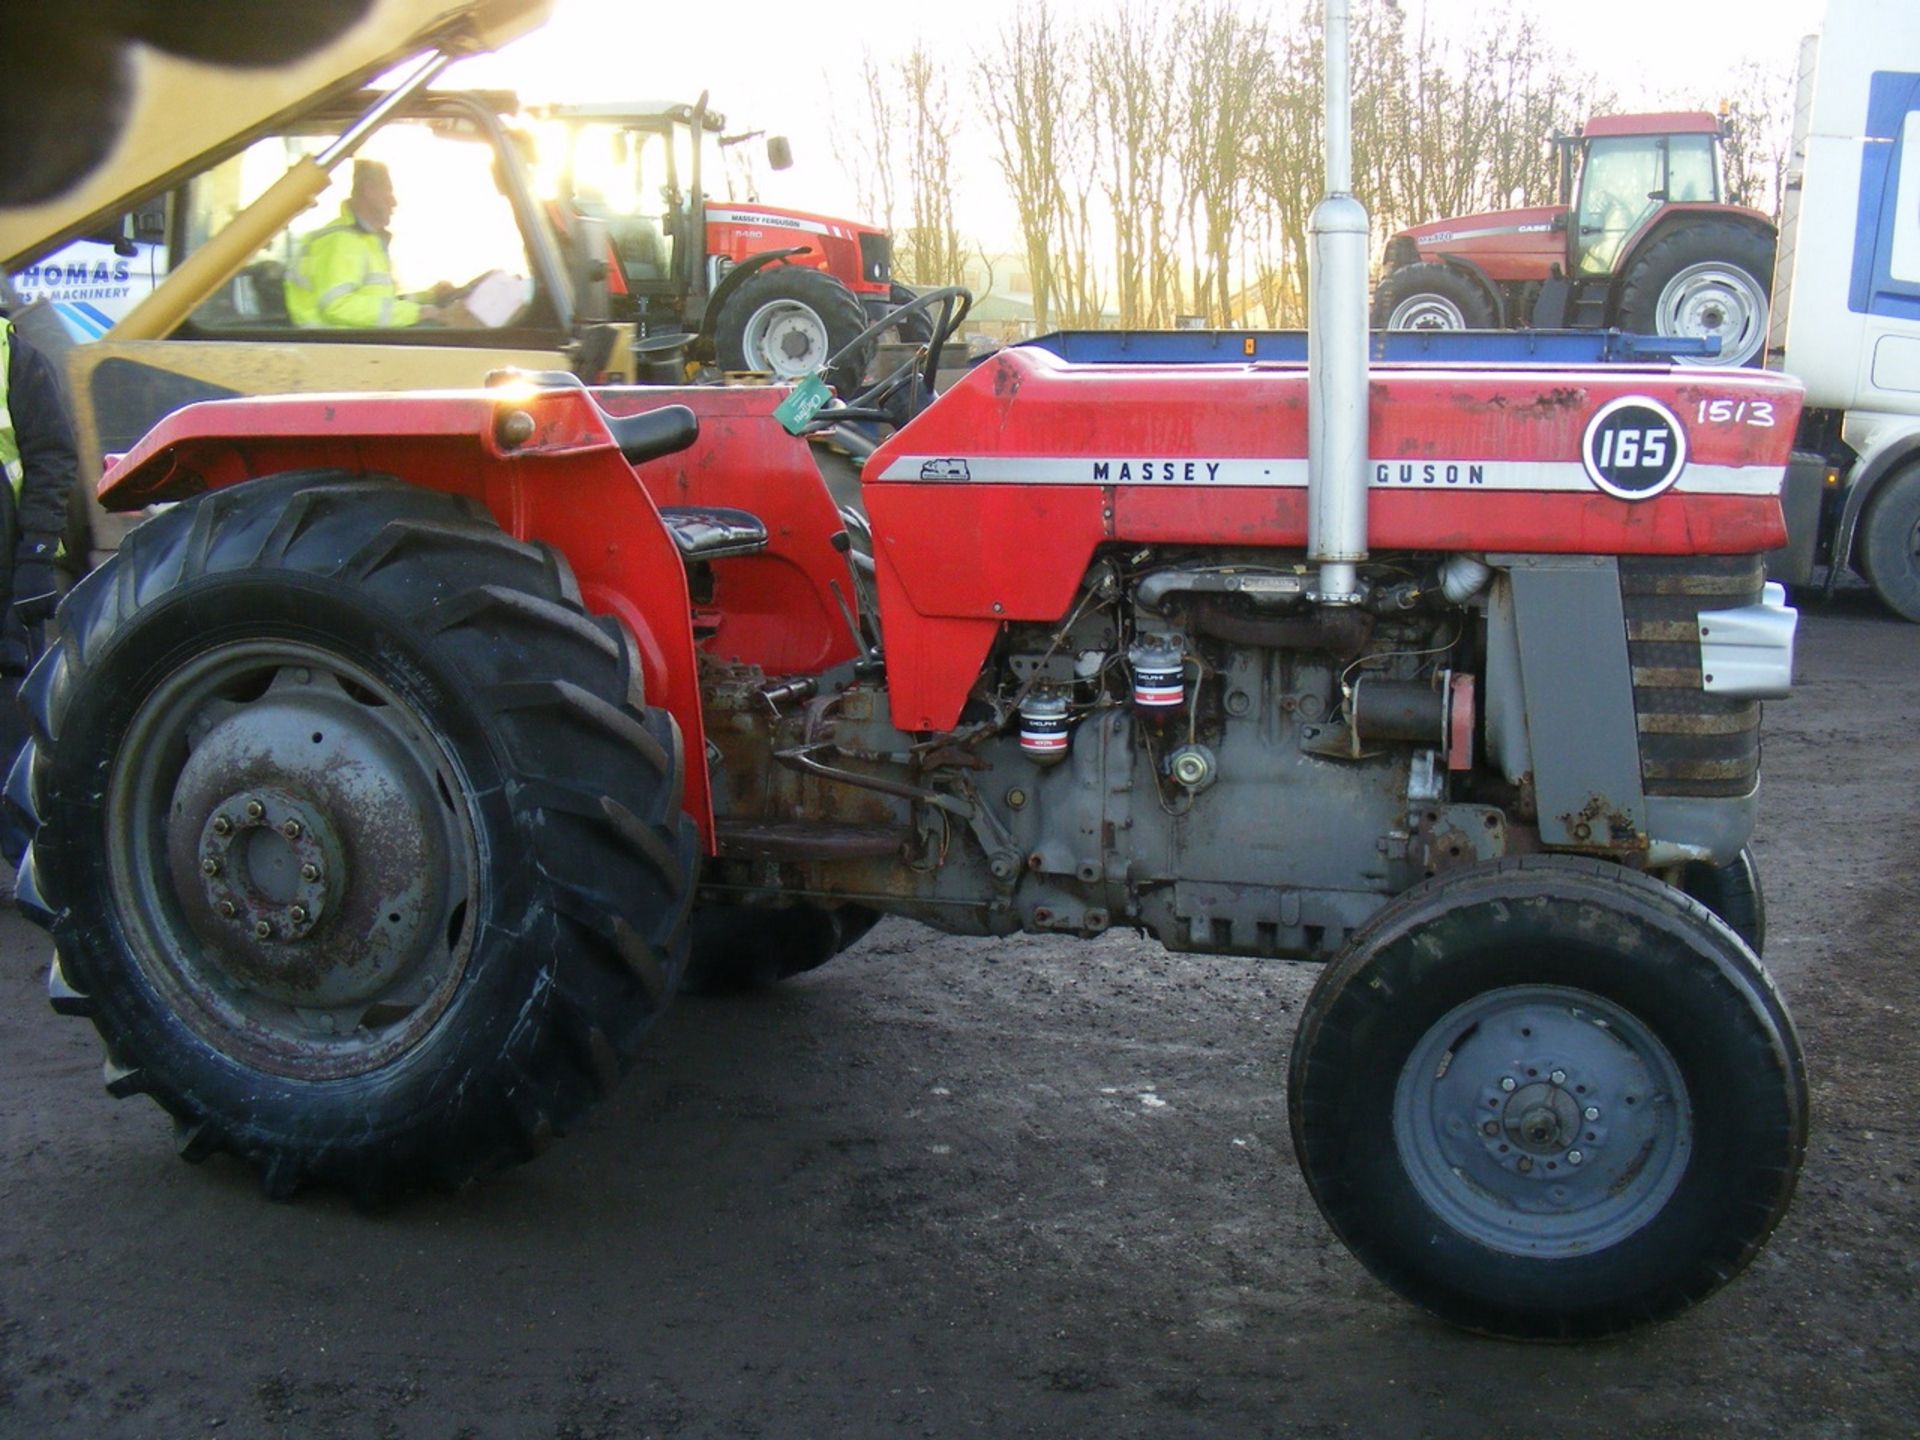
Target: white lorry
1846, 311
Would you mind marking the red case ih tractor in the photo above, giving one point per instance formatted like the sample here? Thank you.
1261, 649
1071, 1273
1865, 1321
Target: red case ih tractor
758, 287
380, 786
1644, 242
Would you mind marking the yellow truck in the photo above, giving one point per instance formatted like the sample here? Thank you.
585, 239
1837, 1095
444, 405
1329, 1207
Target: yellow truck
244, 165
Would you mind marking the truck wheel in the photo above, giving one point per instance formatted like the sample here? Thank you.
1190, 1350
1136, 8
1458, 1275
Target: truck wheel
1889, 545
1429, 296
737, 947
789, 321
1548, 1099
1733, 893
357, 844
1709, 279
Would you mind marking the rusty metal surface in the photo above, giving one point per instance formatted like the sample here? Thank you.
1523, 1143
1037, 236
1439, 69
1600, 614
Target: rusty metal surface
809, 840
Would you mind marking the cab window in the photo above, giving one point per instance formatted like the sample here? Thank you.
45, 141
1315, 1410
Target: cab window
1691, 172
453, 256
1618, 186
625, 177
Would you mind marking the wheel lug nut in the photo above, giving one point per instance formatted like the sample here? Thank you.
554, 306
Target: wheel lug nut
209, 866
1592, 1112
1526, 1164
1574, 1157
298, 914
312, 872
255, 809
1559, 1077
1507, 1083
226, 909
263, 930
291, 829
222, 825
1492, 1127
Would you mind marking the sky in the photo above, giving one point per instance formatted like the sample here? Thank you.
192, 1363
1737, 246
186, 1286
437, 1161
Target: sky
790, 69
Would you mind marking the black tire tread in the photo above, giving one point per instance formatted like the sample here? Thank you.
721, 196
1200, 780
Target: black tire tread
838, 308
1432, 277
1326, 1026
1689, 243
501, 614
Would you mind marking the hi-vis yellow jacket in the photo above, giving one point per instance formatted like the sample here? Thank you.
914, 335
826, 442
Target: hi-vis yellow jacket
343, 277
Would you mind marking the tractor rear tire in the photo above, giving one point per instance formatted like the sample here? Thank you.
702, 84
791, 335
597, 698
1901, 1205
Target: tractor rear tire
1548, 1099
357, 842
1709, 278
1889, 544
1430, 296
788, 321
739, 948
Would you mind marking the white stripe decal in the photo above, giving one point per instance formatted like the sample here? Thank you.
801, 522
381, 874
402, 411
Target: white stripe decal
1552, 476
772, 222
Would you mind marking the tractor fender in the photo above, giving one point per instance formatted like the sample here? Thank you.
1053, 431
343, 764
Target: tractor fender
1891, 443
1668, 217
1487, 287
743, 271
544, 462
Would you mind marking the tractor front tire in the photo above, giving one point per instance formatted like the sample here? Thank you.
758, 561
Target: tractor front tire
1732, 891
1708, 279
1430, 296
788, 321
1548, 1099
1889, 544
356, 840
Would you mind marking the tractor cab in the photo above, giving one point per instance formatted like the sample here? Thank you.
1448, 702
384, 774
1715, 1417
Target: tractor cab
649, 170
687, 235
1628, 167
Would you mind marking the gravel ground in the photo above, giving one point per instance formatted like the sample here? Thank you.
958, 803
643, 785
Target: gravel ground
948, 1187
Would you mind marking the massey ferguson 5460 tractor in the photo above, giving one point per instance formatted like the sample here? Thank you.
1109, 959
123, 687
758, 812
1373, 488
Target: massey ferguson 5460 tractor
1645, 241
761, 288
379, 785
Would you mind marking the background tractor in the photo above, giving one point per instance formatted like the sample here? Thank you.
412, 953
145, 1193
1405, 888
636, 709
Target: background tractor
779, 291
1642, 238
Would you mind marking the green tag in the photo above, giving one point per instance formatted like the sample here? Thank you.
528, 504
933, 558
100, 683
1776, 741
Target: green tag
799, 408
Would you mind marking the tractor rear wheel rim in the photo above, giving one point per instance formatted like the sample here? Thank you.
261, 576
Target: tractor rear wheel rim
1542, 1120
1714, 301
787, 339
293, 869
1427, 312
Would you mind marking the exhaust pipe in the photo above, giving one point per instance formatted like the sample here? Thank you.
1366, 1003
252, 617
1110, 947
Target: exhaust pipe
1337, 347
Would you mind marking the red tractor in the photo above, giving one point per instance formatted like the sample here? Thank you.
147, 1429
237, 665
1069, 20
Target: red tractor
381, 783
1644, 241
759, 288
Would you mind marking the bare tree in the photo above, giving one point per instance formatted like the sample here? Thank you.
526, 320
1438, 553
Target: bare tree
1225, 57
1035, 96
932, 254
1131, 57
867, 154
1759, 134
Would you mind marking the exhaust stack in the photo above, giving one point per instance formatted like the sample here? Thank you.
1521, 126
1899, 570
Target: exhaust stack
1337, 346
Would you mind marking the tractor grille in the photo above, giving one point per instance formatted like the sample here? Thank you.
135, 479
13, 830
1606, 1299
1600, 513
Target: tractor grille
1691, 743
876, 258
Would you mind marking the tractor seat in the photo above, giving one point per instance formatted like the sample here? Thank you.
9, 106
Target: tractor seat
712, 532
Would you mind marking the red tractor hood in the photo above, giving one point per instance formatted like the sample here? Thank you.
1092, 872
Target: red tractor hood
1446, 235
777, 220
1519, 244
